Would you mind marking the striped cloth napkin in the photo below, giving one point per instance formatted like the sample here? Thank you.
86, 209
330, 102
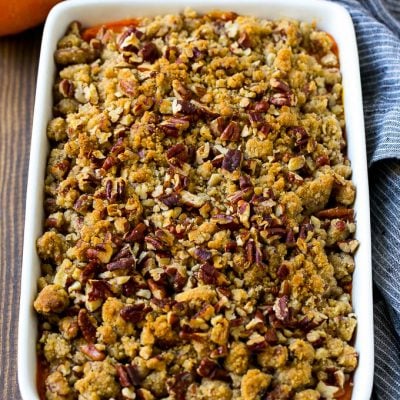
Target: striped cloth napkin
377, 24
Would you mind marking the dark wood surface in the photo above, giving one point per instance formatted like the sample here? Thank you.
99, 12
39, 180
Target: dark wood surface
19, 57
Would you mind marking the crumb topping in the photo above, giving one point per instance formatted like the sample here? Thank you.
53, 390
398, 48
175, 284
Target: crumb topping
198, 240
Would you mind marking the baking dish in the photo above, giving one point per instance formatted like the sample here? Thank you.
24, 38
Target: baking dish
91, 12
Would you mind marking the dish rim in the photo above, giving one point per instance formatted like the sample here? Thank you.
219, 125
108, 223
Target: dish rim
57, 21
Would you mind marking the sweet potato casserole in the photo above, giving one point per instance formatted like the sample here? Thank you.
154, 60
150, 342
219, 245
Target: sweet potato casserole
198, 238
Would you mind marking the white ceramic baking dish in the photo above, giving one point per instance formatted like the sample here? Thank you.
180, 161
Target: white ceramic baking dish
329, 17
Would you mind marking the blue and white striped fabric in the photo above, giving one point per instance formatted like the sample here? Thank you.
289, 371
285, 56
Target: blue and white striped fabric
377, 24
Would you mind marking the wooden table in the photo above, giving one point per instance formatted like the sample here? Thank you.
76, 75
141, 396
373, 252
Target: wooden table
18, 67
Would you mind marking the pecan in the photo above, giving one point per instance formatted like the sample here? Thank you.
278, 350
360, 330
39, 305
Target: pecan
203, 111
92, 254
170, 200
137, 233
121, 263
149, 52
129, 40
322, 160
178, 384
178, 151
265, 129
192, 200
281, 308
129, 287
243, 194
91, 351
165, 236
283, 271
121, 189
270, 336
275, 231
280, 99
158, 291
109, 195
173, 319
261, 106
244, 40
208, 274
61, 169
202, 254
243, 211
87, 328
207, 368
185, 107
123, 376
83, 204
250, 251
134, 312
128, 87
222, 219
66, 88
301, 136
245, 181
306, 324
231, 132
280, 392
257, 346
290, 238
217, 161
154, 243
219, 352
174, 126
256, 119
100, 290
109, 162
218, 125
336, 212
232, 160
118, 147
89, 271
279, 85
181, 92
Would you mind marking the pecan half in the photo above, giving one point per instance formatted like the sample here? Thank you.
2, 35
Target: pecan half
281, 308
336, 212
87, 328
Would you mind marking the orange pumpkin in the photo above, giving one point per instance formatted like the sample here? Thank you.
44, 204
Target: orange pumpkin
18, 15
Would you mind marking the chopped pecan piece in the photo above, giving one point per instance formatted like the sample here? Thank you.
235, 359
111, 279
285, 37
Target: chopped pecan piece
232, 160
231, 132
134, 312
137, 233
91, 351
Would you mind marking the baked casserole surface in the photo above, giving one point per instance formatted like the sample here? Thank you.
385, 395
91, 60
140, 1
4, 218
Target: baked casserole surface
198, 240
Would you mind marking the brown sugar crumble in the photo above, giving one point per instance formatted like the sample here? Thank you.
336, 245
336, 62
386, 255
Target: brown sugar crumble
199, 231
